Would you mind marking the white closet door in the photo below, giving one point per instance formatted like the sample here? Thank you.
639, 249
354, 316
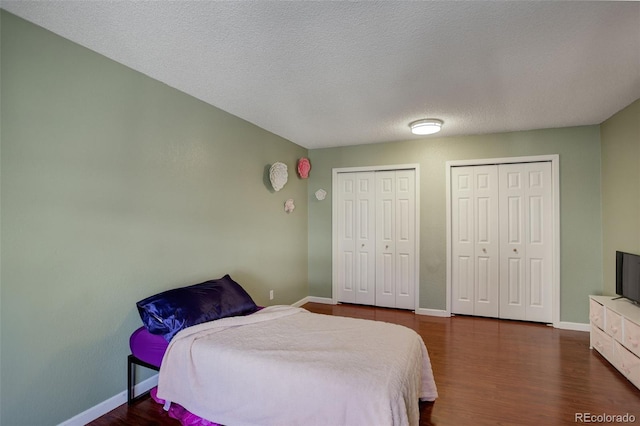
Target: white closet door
356, 238
346, 237
526, 270
463, 248
475, 250
405, 241
396, 239
386, 239
486, 238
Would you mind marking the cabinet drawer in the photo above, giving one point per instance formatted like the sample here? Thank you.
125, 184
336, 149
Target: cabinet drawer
613, 324
602, 342
628, 364
596, 313
632, 337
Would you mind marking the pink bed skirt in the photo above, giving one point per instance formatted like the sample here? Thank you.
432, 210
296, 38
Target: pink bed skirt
180, 413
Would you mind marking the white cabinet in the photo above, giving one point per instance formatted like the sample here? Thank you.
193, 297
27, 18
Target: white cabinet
615, 334
376, 238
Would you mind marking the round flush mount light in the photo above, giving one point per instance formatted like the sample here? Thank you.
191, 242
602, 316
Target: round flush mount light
427, 126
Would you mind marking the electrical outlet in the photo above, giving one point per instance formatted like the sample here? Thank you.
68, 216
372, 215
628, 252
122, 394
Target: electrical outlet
271, 295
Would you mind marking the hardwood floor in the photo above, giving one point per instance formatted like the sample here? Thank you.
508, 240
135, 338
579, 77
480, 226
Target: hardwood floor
488, 372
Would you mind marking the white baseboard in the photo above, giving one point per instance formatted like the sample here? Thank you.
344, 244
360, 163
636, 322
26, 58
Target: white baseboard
432, 312
110, 404
314, 299
300, 302
576, 326
323, 300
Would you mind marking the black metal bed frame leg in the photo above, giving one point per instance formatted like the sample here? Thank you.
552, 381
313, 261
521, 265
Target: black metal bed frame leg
132, 361
131, 377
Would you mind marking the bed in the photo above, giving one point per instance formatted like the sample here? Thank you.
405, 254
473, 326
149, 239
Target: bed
285, 365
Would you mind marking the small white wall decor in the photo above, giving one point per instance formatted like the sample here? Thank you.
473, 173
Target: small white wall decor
289, 206
321, 194
278, 175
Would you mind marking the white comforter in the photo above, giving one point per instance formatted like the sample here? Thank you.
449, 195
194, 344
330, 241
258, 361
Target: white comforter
286, 366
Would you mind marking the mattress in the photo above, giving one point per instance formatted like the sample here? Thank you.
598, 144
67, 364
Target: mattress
148, 347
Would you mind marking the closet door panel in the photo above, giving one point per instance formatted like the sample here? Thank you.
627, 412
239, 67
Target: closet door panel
525, 209
462, 256
539, 245
514, 285
513, 216
386, 235
485, 225
405, 241
365, 238
346, 237
405, 274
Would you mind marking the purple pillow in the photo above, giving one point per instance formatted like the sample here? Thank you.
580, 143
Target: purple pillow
169, 312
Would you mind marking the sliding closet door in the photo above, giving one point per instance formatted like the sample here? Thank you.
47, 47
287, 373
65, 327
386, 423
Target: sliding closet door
526, 271
356, 238
395, 239
475, 244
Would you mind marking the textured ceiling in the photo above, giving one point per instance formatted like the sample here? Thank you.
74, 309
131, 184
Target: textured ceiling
334, 73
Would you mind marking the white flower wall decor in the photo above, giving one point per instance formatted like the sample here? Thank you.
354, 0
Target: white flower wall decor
289, 206
278, 175
321, 194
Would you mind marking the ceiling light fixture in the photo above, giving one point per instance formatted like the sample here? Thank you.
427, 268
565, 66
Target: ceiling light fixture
427, 126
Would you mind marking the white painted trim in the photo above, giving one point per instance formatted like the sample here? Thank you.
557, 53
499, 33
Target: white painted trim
504, 160
334, 221
433, 312
300, 302
555, 176
334, 233
448, 236
375, 168
417, 247
576, 326
110, 404
314, 299
323, 300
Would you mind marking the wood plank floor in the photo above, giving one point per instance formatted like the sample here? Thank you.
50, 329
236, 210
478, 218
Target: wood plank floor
488, 372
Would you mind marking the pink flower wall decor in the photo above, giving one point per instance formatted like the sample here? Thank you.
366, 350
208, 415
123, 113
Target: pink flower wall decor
303, 167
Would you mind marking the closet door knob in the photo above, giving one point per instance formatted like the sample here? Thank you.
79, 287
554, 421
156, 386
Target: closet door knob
484, 250
515, 250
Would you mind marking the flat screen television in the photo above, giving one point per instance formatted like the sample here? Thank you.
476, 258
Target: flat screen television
628, 276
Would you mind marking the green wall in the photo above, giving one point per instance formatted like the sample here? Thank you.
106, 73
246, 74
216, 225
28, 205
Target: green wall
579, 151
115, 186
620, 188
